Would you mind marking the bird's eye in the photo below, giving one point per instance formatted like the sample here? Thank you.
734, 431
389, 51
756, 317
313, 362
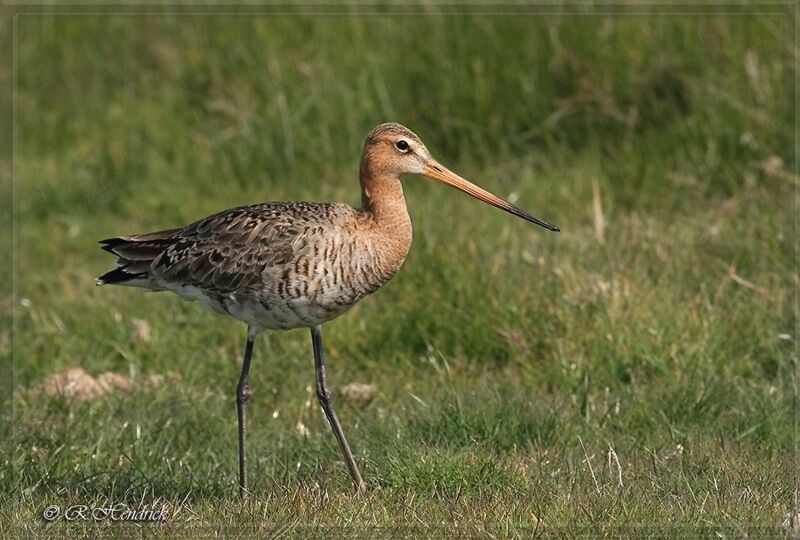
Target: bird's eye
401, 145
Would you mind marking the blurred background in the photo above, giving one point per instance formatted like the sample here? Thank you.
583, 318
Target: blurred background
662, 317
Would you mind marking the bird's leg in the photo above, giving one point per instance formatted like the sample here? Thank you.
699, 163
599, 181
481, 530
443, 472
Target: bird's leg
242, 397
324, 396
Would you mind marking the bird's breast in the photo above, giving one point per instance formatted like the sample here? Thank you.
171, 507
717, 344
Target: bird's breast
328, 274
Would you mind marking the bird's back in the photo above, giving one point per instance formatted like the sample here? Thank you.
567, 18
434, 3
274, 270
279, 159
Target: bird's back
273, 265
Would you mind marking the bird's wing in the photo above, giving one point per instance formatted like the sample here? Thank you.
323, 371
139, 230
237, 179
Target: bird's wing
230, 250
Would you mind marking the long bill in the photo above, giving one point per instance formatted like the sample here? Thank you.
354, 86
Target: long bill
437, 171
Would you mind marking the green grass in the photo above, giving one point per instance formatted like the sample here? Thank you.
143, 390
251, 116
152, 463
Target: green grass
631, 376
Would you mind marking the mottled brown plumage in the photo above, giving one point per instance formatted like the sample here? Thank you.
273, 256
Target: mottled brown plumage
274, 265
282, 265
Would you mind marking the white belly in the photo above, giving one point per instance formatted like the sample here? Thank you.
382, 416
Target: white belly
268, 312
284, 314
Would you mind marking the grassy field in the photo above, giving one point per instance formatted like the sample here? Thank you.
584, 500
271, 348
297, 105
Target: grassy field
633, 374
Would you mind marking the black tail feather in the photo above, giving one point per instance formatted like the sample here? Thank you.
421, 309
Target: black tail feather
135, 254
110, 243
119, 275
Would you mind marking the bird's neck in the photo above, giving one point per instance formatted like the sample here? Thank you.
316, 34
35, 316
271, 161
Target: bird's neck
384, 206
382, 196
383, 199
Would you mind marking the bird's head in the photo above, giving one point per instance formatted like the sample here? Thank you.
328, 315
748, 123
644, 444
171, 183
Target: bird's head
392, 150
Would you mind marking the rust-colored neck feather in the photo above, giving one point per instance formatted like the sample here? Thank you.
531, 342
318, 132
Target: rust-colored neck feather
383, 203
381, 190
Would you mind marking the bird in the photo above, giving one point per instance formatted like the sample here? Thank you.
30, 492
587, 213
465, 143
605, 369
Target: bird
285, 265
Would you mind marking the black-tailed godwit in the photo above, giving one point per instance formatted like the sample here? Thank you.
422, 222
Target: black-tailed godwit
282, 265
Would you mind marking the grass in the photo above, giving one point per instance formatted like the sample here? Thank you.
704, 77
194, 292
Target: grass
633, 374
